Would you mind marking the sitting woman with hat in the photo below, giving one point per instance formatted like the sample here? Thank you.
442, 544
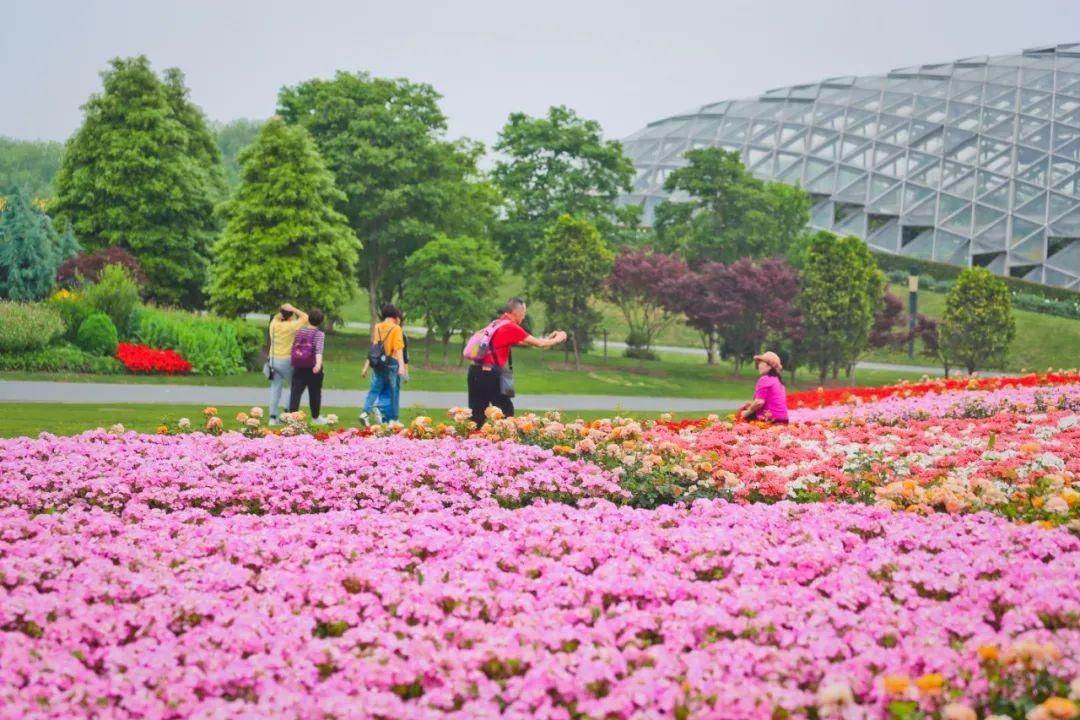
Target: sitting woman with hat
770, 397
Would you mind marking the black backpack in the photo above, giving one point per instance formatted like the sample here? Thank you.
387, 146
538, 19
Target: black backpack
377, 357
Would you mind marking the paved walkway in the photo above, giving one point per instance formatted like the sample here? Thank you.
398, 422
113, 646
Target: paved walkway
105, 393
419, 330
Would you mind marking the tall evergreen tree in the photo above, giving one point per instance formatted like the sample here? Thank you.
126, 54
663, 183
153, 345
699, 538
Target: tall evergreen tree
135, 176
67, 245
283, 239
201, 140
28, 250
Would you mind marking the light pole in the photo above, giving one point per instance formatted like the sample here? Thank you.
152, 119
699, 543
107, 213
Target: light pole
913, 304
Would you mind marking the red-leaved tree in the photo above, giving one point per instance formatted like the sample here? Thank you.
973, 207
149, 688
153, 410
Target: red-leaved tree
637, 285
87, 267
890, 324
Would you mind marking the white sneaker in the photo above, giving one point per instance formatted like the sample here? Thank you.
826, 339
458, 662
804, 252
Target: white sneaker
273, 422
319, 421
364, 419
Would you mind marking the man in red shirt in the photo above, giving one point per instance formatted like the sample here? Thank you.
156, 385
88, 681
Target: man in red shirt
484, 376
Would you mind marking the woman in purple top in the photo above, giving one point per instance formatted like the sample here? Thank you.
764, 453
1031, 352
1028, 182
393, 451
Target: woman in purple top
309, 378
770, 397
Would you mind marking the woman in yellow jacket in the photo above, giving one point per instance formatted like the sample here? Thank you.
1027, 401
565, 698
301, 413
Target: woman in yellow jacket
283, 328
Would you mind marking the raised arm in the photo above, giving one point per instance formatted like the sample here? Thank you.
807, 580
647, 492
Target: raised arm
545, 342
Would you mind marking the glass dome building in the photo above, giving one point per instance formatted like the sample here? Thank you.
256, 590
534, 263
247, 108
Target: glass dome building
973, 162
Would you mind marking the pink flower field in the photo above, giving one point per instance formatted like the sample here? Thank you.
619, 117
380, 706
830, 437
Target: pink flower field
914, 561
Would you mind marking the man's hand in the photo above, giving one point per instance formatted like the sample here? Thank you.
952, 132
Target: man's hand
558, 337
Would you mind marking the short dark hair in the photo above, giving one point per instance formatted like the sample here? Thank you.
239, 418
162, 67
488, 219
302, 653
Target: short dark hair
513, 304
315, 317
390, 311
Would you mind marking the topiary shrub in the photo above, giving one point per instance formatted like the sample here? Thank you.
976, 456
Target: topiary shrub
98, 335
73, 308
25, 327
116, 295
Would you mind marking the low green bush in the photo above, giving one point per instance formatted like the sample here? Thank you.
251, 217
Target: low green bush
1037, 303
73, 309
97, 335
26, 327
61, 358
213, 346
116, 295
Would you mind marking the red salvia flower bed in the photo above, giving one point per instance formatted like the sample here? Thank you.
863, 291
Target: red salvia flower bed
143, 360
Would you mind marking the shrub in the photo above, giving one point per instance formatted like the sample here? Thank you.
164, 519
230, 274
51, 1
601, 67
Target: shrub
25, 327
61, 358
213, 346
73, 308
1040, 304
116, 295
87, 267
97, 335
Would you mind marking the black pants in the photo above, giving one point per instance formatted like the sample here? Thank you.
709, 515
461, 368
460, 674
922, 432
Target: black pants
484, 391
306, 378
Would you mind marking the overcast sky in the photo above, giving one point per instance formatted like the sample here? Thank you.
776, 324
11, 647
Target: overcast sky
624, 63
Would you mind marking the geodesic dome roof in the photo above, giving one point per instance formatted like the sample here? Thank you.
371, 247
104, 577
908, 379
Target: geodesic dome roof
973, 162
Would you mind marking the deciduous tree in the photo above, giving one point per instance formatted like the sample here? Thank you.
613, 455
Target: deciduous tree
841, 290
452, 283
978, 325
637, 285
554, 165
570, 271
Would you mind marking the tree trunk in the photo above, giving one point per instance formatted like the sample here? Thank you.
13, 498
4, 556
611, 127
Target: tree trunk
712, 349
577, 355
373, 300
427, 349
445, 349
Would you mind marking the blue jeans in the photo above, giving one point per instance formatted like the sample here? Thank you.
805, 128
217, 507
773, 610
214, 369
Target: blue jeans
282, 374
385, 392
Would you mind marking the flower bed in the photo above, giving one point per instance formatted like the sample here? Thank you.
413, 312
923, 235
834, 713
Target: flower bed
836, 396
140, 359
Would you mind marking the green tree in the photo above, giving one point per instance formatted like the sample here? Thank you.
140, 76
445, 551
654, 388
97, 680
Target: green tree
68, 245
28, 250
730, 213
29, 165
452, 284
283, 238
201, 140
570, 271
134, 176
231, 139
555, 165
841, 290
978, 324
404, 184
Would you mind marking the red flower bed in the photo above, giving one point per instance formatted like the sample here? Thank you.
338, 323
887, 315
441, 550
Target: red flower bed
835, 396
144, 360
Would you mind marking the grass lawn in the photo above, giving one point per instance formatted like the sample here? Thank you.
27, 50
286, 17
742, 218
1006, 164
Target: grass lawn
1042, 341
62, 419
537, 372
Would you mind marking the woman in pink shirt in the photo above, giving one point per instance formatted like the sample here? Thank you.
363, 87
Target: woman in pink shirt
770, 397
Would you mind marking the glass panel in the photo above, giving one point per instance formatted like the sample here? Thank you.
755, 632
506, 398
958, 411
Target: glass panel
824, 183
1070, 150
888, 203
999, 74
992, 239
1071, 118
964, 153
1065, 104
966, 92
883, 152
762, 131
846, 176
819, 138
931, 143
1001, 163
880, 184
793, 174
1003, 130
1022, 228
1027, 156
1038, 79
922, 246
734, 129
1060, 204
914, 196
1043, 109
797, 144
1002, 101
1038, 138
960, 222
964, 187
923, 214
855, 192
998, 198
929, 175
815, 167
861, 159
947, 205
948, 246
1071, 185
1022, 192
958, 110
985, 216
1029, 98
1030, 250
1067, 224
985, 182
1034, 209
1037, 173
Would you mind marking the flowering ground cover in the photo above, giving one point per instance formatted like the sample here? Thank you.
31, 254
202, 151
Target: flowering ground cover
710, 610
822, 397
911, 558
140, 359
